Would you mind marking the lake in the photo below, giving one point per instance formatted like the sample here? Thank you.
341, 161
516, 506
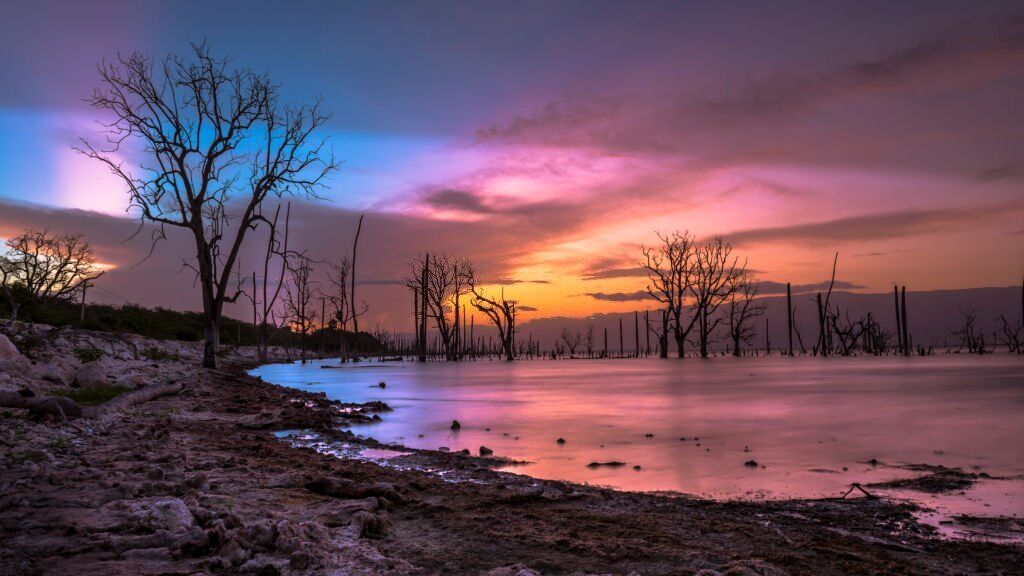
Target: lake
811, 424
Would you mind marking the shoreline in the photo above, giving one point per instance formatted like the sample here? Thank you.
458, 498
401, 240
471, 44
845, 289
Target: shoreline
198, 482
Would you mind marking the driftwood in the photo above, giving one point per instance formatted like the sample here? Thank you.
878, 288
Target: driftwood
66, 408
129, 399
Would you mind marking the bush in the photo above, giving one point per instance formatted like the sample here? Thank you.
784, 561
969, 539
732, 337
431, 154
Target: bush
86, 355
156, 354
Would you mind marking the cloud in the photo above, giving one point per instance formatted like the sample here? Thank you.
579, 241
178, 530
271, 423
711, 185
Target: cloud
636, 272
770, 288
507, 281
458, 200
879, 226
525, 308
639, 295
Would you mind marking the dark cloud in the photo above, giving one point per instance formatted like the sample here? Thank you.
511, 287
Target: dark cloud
524, 308
515, 281
620, 296
459, 200
635, 272
880, 226
770, 288
1000, 172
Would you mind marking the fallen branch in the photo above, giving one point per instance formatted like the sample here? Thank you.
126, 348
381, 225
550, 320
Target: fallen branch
856, 486
129, 399
56, 406
64, 408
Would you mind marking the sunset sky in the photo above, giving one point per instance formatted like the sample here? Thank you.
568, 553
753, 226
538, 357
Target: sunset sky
547, 141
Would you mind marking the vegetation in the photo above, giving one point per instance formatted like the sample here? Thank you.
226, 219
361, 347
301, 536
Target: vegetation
93, 395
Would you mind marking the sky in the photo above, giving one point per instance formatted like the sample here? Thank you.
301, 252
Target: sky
548, 141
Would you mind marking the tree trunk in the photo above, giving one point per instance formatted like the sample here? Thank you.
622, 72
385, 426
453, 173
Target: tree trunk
211, 342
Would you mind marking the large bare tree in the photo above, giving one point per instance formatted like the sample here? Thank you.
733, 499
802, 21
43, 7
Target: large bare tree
215, 142
669, 267
502, 313
447, 279
46, 265
716, 278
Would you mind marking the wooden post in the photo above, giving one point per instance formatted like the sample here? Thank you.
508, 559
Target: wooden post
622, 344
647, 331
664, 335
636, 332
789, 316
821, 328
906, 327
899, 323
606, 342
423, 308
81, 316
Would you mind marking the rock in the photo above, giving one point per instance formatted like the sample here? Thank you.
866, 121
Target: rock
345, 488
57, 372
382, 384
560, 441
612, 464
648, 435
637, 467
750, 463
456, 425
10, 359
444, 449
485, 451
89, 375
170, 514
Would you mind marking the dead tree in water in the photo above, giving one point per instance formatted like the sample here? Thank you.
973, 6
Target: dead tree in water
501, 312
716, 277
741, 312
789, 317
968, 334
571, 340
670, 274
906, 327
590, 340
339, 277
352, 297
218, 141
277, 248
899, 321
1012, 336
441, 281
299, 294
46, 265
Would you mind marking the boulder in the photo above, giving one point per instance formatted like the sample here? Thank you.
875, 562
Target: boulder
10, 359
169, 514
91, 374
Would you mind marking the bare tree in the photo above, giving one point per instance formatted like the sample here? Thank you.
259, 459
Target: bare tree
218, 143
1011, 335
590, 340
339, 277
46, 265
572, 340
447, 279
716, 275
501, 312
968, 334
741, 312
300, 290
266, 294
670, 273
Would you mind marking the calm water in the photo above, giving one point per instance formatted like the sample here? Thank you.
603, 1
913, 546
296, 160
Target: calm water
802, 420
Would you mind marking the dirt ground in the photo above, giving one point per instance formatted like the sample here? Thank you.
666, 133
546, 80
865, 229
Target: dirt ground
198, 483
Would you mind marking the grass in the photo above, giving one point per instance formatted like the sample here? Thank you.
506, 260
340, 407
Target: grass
86, 355
94, 395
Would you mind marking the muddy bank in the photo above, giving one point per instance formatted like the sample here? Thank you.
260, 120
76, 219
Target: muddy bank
197, 482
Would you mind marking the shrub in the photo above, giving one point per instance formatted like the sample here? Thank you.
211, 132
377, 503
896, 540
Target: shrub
89, 354
156, 354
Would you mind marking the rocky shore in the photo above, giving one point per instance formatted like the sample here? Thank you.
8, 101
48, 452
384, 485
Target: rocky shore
194, 481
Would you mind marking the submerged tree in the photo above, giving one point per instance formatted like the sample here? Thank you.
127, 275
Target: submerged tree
300, 290
442, 281
716, 278
46, 265
217, 143
571, 340
502, 313
669, 267
741, 312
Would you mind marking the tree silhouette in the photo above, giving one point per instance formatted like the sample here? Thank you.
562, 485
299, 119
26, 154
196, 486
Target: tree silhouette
46, 265
217, 144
